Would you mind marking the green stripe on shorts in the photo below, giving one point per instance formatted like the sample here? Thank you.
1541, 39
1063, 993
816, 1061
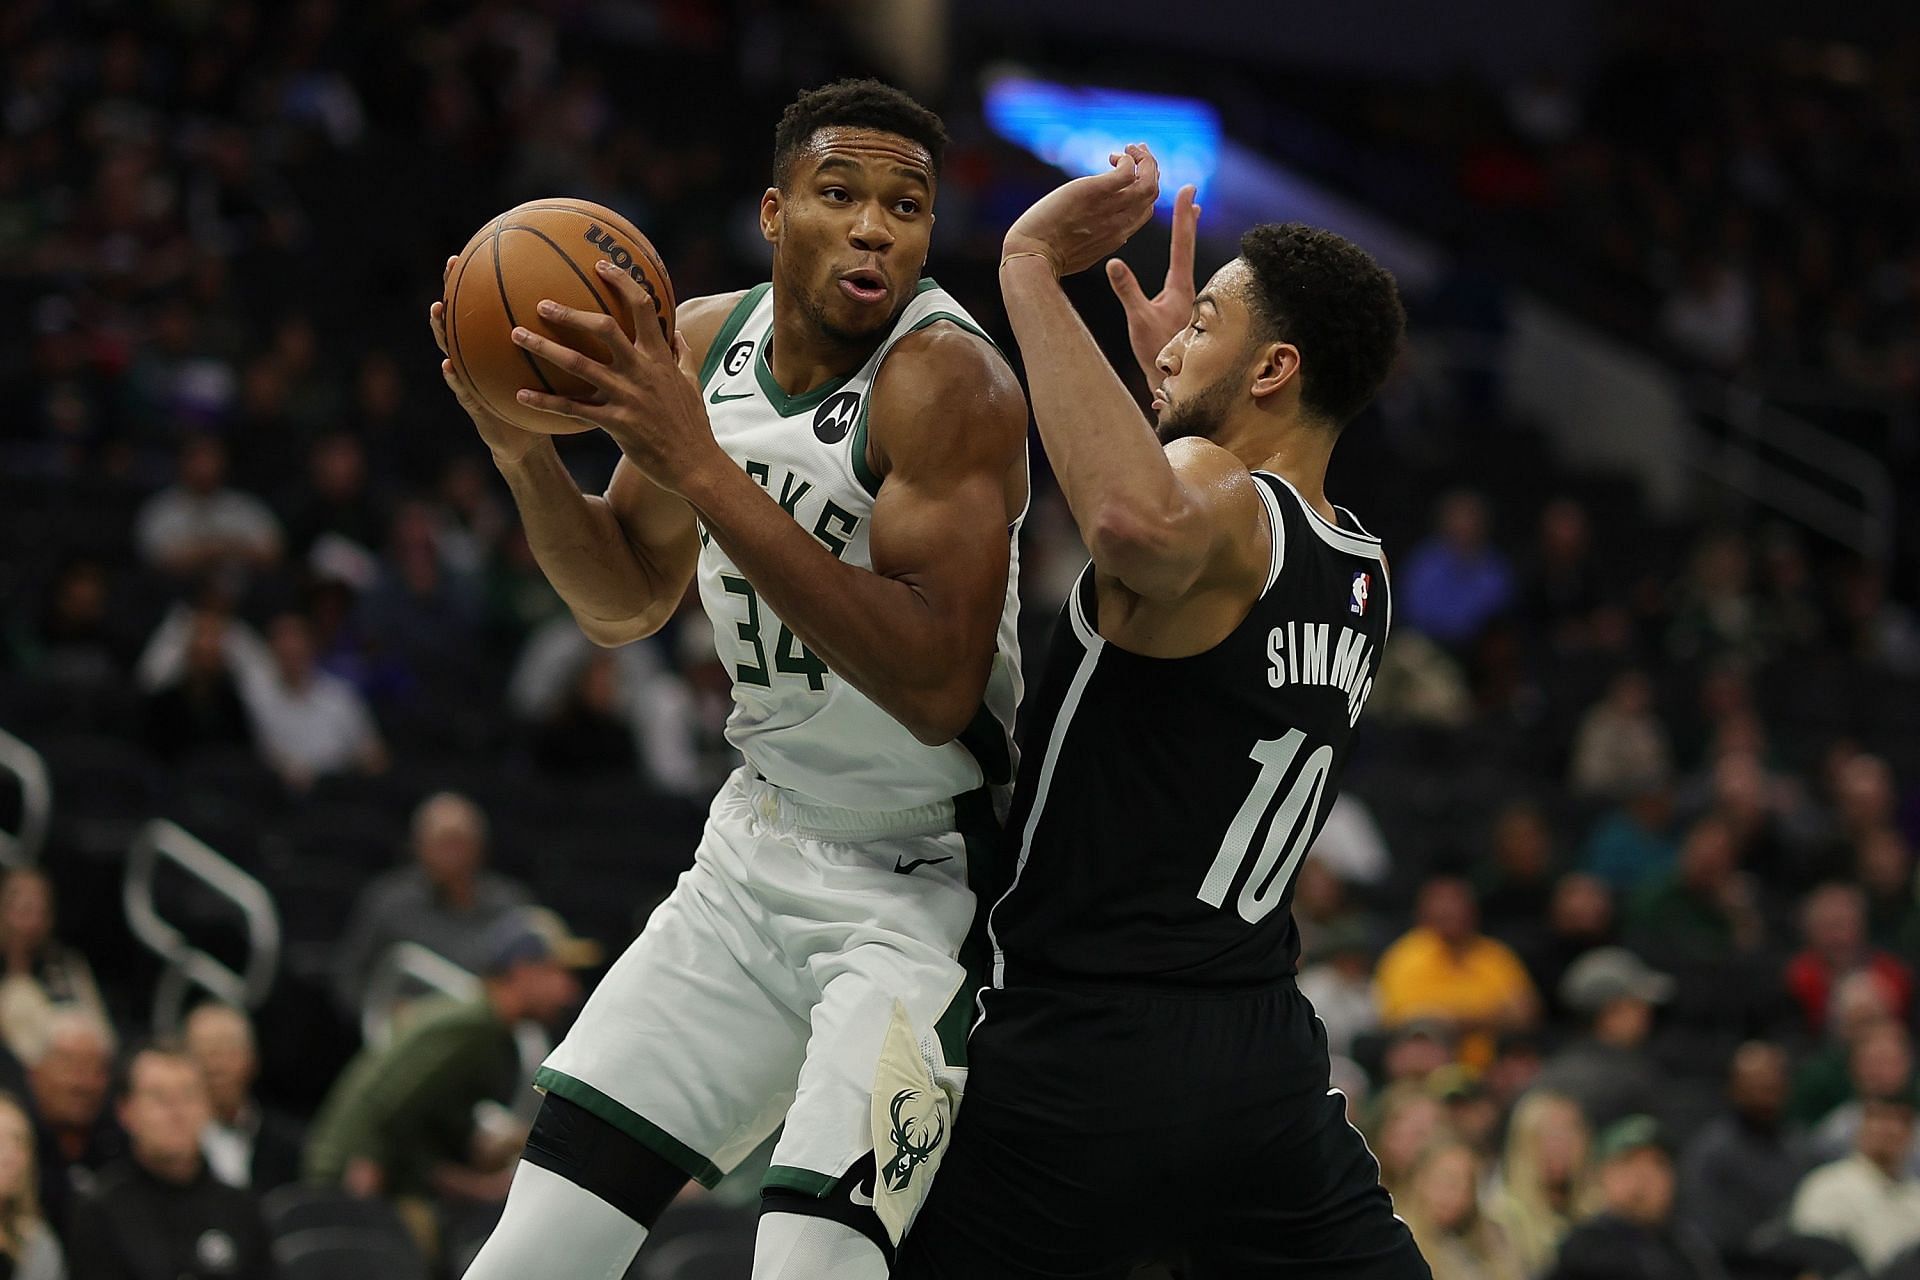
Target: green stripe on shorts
632, 1123
974, 818
784, 1177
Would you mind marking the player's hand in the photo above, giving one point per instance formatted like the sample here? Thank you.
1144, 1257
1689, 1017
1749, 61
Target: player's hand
508, 442
1080, 222
1152, 322
645, 395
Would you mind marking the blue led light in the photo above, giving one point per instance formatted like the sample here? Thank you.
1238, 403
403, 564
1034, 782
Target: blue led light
1076, 129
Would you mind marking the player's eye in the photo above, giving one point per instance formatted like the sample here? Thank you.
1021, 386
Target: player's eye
836, 195
906, 208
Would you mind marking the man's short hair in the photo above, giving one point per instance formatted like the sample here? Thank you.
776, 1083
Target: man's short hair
1328, 297
168, 1047
853, 104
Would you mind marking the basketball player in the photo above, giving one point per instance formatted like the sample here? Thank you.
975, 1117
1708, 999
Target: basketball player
1147, 1084
839, 460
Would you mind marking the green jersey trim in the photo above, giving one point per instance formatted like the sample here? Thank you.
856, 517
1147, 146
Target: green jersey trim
632, 1123
861, 470
736, 320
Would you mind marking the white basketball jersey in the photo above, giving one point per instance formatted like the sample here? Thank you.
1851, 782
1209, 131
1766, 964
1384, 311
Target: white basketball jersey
795, 721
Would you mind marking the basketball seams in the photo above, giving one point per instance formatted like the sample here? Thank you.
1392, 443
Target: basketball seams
506, 305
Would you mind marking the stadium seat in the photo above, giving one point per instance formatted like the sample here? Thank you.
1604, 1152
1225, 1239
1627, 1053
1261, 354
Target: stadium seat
328, 1235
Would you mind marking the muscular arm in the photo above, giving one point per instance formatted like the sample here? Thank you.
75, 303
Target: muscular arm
916, 633
621, 561
1159, 522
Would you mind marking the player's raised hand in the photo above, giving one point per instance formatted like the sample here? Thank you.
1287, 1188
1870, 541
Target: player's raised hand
645, 393
508, 442
1152, 322
1082, 221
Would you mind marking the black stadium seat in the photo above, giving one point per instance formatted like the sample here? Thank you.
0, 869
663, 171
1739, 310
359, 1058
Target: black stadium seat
329, 1235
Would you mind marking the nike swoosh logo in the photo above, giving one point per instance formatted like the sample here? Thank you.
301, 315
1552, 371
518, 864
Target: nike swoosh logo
717, 398
859, 1194
906, 869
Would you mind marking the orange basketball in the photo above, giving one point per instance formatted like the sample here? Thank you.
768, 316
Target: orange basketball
542, 249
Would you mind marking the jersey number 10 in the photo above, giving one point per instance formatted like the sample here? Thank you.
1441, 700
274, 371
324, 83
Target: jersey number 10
1288, 836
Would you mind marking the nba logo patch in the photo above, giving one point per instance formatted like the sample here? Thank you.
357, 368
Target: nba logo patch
1357, 602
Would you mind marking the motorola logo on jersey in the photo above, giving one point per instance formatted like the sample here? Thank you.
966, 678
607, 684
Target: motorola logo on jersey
737, 356
834, 418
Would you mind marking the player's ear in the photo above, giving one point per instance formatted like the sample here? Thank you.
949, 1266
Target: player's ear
1277, 364
771, 214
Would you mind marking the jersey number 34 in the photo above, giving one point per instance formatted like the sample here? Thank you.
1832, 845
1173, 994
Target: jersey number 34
1288, 835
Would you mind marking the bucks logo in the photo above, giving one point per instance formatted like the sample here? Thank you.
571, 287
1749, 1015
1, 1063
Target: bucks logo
911, 1142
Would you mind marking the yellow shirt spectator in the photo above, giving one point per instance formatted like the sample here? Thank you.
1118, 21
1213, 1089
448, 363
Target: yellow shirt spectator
1444, 970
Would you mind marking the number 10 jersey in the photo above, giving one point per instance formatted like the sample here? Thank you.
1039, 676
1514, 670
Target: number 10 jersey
1164, 805
798, 724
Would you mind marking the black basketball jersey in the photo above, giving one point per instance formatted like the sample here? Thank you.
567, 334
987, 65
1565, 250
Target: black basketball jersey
1165, 805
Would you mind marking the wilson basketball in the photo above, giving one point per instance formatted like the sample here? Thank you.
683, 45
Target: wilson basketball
542, 249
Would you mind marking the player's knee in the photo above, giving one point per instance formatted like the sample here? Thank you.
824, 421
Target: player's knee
579, 1146
847, 1204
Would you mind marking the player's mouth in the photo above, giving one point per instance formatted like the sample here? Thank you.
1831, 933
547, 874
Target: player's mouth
864, 285
1161, 397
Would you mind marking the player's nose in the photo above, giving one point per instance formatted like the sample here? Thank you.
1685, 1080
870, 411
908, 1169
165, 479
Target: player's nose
1168, 361
869, 231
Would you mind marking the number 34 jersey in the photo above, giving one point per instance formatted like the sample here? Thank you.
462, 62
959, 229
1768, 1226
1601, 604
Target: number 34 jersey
1164, 805
796, 722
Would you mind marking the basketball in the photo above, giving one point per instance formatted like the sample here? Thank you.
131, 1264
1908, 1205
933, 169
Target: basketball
542, 249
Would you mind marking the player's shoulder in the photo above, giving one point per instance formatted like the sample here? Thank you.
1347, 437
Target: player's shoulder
944, 372
701, 319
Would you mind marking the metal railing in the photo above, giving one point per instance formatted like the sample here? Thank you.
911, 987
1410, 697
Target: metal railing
22, 848
404, 970
188, 967
1802, 471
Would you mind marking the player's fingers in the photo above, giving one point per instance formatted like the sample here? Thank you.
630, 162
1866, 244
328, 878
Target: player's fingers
1186, 220
1126, 286
564, 357
448, 269
436, 320
598, 325
563, 406
1147, 173
649, 338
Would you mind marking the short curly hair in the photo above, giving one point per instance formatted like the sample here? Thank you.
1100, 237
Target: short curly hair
854, 104
1328, 297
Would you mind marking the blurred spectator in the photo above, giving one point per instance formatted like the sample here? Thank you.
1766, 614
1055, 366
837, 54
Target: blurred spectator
337, 502
1415, 1051
1633, 843
1407, 1120
308, 723
473, 522
28, 1248
1834, 923
201, 707
1350, 843
71, 1075
1879, 1066
1515, 1068
72, 644
246, 1144
1442, 1206
1621, 742
1515, 885
1886, 872
1421, 684
1578, 918
443, 900
1871, 1199
1635, 1236
1710, 316
1861, 1003
1714, 611
410, 1119
1544, 1183
1339, 984
1562, 591
1456, 582
200, 526
1607, 1070
1706, 908
43, 975
160, 1211
589, 736
420, 606
1738, 1174
1445, 969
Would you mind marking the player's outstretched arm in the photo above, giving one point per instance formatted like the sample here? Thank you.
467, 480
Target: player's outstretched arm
1158, 521
621, 562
